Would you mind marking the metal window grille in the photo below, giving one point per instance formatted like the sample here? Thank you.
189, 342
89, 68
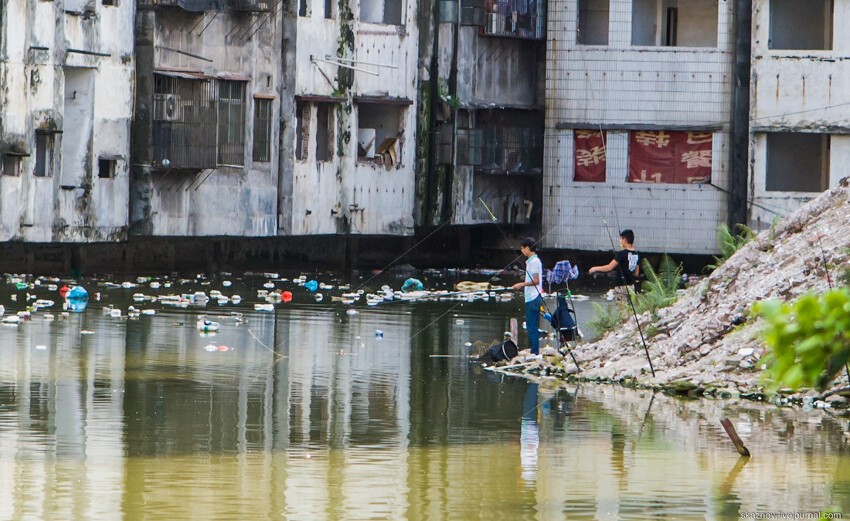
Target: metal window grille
184, 122
508, 149
43, 154
231, 127
262, 130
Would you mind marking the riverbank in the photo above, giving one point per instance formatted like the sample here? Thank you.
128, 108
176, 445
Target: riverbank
707, 343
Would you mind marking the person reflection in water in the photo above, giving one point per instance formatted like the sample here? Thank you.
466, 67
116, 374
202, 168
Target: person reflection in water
529, 437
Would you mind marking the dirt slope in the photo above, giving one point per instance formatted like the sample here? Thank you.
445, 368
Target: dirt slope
698, 344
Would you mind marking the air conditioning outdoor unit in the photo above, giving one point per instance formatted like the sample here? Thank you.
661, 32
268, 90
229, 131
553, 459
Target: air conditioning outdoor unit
165, 107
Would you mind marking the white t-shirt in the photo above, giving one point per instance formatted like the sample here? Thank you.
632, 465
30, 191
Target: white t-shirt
533, 267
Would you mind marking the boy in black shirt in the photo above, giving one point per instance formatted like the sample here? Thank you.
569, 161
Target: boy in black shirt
626, 261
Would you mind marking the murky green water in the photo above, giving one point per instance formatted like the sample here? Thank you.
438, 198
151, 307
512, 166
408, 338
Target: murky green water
306, 414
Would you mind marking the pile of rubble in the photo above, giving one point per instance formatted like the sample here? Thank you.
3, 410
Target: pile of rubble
707, 342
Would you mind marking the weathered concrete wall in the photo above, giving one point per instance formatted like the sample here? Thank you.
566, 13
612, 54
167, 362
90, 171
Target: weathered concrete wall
50, 52
226, 200
623, 87
502, 71
797, 91
343, 194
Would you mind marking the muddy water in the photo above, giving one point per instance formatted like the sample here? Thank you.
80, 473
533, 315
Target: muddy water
307, 414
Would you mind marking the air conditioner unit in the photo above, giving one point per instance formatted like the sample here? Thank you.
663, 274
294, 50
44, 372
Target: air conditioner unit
165, 107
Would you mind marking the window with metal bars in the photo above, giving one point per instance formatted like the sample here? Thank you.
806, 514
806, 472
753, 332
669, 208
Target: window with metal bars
231, 126
261, 151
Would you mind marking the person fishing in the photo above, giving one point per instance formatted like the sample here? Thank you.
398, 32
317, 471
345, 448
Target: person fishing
533, 289
626, 261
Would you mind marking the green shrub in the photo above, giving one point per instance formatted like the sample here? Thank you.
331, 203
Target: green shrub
659, 288
606, 318
730, 243
808, 341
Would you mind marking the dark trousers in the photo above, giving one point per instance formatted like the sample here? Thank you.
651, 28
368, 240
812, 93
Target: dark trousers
532, 323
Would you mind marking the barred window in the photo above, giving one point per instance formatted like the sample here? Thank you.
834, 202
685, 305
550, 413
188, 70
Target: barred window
262, 130
231, 126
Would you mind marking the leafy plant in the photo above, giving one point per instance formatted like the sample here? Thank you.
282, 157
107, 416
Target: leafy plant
808, 341
606, 318
659, 289
730, 243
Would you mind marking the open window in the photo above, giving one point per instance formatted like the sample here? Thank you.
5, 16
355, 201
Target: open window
11, 165
302, 130
324, 131
675, 23
379, 130
44, 144
593, 22
381, 11
106, 167
801, 25
797, 162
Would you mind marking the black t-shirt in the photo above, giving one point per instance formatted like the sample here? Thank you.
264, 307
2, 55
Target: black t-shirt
627, 263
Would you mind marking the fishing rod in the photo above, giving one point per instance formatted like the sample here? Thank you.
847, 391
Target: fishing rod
629, 298
537, 287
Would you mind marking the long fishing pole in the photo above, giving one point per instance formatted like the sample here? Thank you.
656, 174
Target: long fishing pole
629, 298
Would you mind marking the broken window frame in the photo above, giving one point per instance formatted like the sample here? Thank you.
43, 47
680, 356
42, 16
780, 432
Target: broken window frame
261, 148
828, 27
585, 36
792, 154
45, 144
384, 146
666, 24
396, 17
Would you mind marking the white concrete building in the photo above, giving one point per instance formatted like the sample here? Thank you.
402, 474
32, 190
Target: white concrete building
352, 128
644, 89
205, 134
66, 82
800, 106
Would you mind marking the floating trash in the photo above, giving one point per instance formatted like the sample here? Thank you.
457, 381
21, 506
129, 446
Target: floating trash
128, 285
319, 297
155, 285
236, 299
226, 283
207, 326
148, 312
412, 285
211, 348
41, 347
351, 312
286, 296
20, 285
138, 297
264, 307
311, 285
13, 320
48, 316
115, 313
269, 285
379, 333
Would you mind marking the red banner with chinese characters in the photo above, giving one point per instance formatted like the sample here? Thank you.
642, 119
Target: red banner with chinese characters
590, 156
660, 156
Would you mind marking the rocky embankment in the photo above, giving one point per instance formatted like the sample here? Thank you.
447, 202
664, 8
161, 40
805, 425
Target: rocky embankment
706, 342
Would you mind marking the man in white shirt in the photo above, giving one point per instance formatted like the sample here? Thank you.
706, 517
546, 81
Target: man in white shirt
533, 287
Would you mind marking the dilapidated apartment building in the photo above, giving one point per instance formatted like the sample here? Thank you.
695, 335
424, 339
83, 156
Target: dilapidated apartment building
800, 106
350, 131
485, 115
207, 107
638, 116
66, 82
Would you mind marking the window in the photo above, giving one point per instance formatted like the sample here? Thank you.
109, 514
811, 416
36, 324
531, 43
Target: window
661, 156
112, 3
324, 131
231, 123
261, 151
43, 154
593, 22
302, 8
590, 156
378, 133
11, 165
381, 11
517, 18
801, 25
675, 23
302, 130
106, 168
797, 162
329, 8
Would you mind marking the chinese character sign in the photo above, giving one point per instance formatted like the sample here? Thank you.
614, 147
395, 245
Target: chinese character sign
669, 157
590, 156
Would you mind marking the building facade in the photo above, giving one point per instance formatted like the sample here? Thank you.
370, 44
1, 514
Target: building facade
207, 105
351, 125
66, 82
638, 115
799, 111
